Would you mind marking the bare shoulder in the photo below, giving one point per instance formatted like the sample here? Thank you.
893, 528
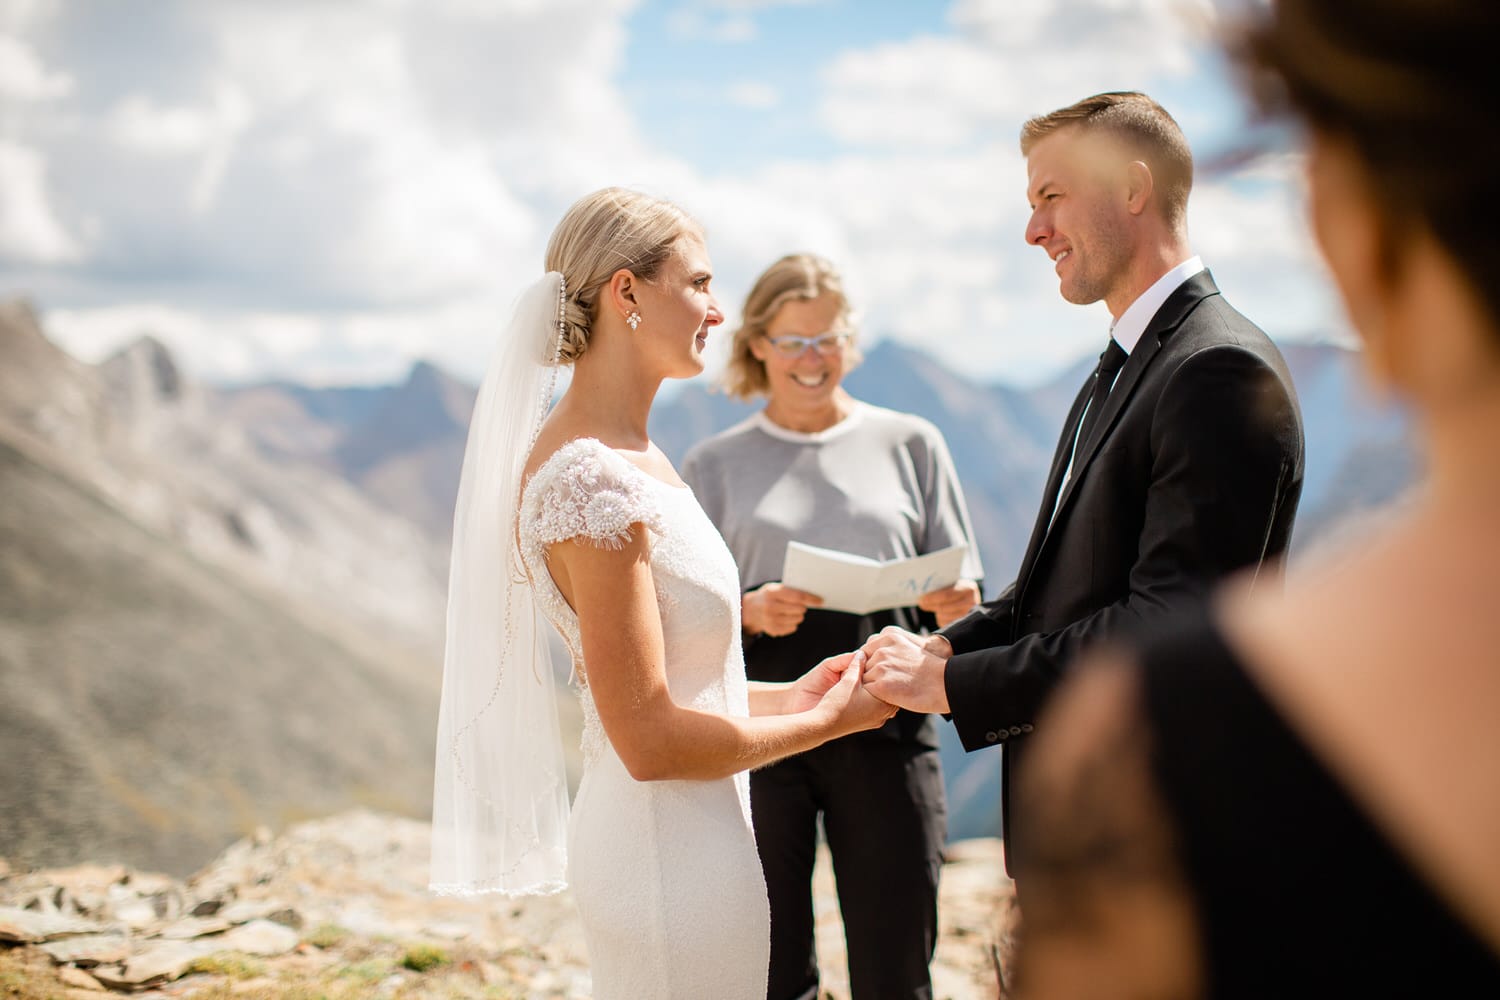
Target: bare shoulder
1383, 660
654, 463
1405, 617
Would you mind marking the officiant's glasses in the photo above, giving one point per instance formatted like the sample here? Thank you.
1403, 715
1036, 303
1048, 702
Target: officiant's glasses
827, 344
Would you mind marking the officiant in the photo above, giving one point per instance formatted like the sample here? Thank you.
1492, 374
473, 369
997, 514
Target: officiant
820, 467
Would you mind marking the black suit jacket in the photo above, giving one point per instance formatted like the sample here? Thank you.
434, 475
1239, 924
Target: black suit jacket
1193, 471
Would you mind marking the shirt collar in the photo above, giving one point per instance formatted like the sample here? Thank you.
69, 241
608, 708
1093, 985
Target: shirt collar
1132, 323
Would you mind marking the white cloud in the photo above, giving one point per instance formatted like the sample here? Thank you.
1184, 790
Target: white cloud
207, 133
1008, 60
692, 24
753, 95
243, 345
29, 227
301, 175
725, 21
1252, 230
24, 78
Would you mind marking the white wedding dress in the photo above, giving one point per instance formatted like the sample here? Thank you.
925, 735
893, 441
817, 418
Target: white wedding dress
665, 873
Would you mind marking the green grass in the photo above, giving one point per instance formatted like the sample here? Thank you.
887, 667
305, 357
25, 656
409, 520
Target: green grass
423, 957
325, 936
228, 964
367, 972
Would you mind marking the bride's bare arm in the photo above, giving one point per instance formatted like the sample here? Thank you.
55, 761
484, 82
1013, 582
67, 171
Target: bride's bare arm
789, 697
768, 697
624, 666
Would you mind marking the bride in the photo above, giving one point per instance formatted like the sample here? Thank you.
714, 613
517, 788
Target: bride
580, 518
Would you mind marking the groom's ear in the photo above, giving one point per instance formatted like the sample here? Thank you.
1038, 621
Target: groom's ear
1139, 186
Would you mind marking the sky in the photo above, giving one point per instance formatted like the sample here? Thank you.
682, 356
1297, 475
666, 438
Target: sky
329, 190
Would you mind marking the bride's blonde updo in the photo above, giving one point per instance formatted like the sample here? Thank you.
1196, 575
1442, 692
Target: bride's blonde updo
603, 232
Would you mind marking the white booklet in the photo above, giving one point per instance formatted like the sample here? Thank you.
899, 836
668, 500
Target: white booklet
860, 585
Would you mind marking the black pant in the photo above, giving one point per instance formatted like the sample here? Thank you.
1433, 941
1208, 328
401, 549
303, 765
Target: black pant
885, 818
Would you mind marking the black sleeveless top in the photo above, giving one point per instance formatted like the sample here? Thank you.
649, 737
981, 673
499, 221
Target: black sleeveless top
1298, 893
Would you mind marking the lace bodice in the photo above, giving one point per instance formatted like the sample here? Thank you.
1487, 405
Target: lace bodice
587, 491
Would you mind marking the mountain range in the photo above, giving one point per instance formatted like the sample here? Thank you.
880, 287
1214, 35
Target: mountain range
195, 638
223, 605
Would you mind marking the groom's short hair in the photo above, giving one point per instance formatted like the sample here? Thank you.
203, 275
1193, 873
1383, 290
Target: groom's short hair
1143, 126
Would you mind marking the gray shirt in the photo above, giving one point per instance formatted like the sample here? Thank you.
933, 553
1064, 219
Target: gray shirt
879, 484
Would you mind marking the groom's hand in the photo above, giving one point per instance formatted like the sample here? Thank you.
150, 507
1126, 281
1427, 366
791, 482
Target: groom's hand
907, 670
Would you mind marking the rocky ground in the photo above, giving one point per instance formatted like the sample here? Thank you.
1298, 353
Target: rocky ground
338, 909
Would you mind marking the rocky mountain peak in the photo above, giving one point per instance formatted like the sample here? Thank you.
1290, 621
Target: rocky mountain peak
430, 408
45, 392
20, 330
26, 355
427, 384
146, 369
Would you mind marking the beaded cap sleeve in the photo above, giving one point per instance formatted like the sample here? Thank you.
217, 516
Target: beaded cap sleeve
585, 490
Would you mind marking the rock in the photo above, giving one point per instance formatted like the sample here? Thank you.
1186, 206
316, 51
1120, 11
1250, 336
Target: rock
161, 962
258, 937
192, 927
78, 979
151, 884
33, 927
286, 917
89, 949
246, 910
81, 889
145, 900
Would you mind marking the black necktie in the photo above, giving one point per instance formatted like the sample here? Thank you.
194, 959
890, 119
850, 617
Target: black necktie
1104, 379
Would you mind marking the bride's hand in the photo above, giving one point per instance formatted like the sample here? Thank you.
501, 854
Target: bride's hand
808, 690
851, 708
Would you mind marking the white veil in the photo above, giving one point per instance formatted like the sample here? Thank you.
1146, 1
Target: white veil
500, 796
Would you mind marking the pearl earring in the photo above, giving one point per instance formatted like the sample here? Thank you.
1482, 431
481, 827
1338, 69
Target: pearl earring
634, 319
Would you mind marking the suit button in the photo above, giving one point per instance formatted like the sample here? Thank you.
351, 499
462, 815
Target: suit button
992, 736
1015, 730
1026, 727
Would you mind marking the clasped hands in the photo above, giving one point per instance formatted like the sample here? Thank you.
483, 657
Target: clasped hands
894, 669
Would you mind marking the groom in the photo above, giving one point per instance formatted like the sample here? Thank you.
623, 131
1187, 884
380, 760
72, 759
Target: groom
1180, 461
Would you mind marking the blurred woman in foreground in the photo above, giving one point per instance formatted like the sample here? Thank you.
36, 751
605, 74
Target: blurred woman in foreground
1297, 794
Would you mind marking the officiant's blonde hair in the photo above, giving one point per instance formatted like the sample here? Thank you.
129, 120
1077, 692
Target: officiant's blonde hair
601, 233
797, 277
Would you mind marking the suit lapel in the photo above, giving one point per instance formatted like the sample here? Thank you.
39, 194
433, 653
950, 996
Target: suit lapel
1171, 314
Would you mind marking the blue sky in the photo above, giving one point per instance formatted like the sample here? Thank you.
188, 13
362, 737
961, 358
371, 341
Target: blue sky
327, 190
735, 89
